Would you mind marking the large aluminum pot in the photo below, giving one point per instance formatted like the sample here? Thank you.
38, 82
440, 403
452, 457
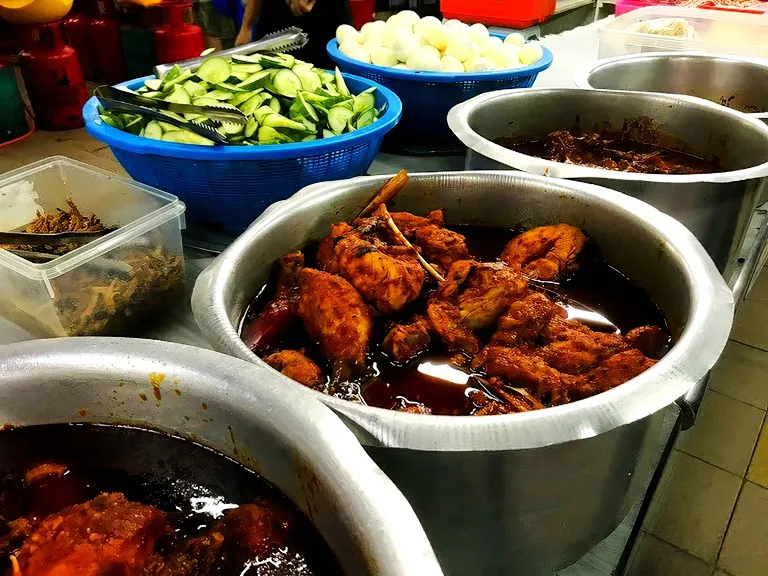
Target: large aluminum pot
739, 83
717, 208
521, 493
238, 409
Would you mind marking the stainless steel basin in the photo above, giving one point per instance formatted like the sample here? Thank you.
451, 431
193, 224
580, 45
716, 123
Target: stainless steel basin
523, 493
717, 207
240, 410
739, 83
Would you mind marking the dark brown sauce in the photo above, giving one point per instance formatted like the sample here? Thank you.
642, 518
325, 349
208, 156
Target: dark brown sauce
596, 288
610, 152
194, 485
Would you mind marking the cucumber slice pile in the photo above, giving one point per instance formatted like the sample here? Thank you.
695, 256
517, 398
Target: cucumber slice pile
284, 99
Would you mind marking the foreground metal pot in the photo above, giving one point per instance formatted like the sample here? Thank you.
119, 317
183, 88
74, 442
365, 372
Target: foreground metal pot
522, 493
739, 83
717, 208
237, 409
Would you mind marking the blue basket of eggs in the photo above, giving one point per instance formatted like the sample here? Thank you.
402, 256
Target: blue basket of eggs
465, 61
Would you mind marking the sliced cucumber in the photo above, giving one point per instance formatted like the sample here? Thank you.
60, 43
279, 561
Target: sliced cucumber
250, 127
231, 128
155, 83
207, 51
286, 83
279, 121
247, 68
268, 134
237, 77
224, 87
247, 59
365, 118
177, 81
194, 89
219, 95
178, 96
309, 138
166, 127
173, 115
153, 130
328, 133
156, 95
310, 80
308, 109
251, 105
186, 137
272, 62
214, 70
363, 101
275, 105
112, 120
256, 80
338, 116
241, 97
341, 86
174, 72
262, 113
134, 126
205, 101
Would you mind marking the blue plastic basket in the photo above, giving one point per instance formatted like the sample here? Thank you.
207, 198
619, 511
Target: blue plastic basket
229, 186
428, 96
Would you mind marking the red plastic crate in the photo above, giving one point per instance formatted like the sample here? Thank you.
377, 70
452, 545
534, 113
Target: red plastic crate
507, 13
362, 12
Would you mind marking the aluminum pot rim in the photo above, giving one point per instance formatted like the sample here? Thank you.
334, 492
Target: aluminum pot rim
402, 548
582, 76
458, 121
712, 313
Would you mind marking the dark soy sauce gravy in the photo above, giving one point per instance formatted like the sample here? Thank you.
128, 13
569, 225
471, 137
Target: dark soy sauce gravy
194, 485
593, 292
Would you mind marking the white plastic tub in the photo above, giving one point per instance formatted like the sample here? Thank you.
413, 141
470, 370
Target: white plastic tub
101, 287
716, 31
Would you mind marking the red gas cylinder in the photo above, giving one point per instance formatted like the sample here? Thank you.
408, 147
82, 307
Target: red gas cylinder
106, 38
176, 39
77, 32
53, 78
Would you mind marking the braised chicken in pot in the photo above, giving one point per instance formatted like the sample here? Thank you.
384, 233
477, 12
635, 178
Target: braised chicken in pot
83, 500
405, 312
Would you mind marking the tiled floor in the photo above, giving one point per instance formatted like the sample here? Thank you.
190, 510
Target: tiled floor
710, 516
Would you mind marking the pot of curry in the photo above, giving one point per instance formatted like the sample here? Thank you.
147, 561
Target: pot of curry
142, 458
504, 345
700, 162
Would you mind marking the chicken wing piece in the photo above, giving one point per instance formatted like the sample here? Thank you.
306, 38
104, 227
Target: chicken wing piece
545, 252
525, 319
404, 342
279, 315
335, 315
574, 348
438, 245
616, 370
106, 535
652, 341
296, 365
472, 297
521, 367
389, 277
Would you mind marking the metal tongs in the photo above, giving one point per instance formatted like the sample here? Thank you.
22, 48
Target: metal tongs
117, 100
282, 41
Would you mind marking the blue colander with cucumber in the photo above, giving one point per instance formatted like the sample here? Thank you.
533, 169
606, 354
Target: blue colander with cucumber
303, 125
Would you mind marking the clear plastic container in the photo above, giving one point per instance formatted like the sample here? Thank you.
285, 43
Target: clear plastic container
715, 31
107, 285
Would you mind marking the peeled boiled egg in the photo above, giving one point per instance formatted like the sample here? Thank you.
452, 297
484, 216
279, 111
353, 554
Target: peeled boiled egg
462, 48
515, 39
479, 64
372, 44
430, 51
383, 57
390, 34
530, 53
499, 56
424, 60
425, 23
495, 41
408, 15
479, 34
354, 51
451, 64
346, 33
404, 46
439, 36
453, 24
373, 29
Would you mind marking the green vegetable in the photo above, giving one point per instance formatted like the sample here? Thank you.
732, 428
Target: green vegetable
214, 70
283, 99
